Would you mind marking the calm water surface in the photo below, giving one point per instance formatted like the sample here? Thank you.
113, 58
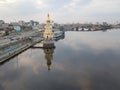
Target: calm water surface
80, 61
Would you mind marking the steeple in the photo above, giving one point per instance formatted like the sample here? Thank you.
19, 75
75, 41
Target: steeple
48, 34
48, 19
48, 29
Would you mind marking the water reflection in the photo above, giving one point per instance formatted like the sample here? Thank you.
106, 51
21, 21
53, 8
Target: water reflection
76, 65
49, 56
49, 51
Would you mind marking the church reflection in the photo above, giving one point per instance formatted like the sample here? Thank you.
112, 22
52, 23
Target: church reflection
49, 52
49, 56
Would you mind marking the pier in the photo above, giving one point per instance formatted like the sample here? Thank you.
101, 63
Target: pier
10, 48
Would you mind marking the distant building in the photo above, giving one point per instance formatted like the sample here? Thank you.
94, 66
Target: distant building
16, 26
1, 22
31, 22
5, 28
5, 25
41, 27
22, 23
2, 32
34, 24
116, 26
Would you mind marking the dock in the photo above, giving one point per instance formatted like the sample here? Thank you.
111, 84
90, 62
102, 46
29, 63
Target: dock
13, 48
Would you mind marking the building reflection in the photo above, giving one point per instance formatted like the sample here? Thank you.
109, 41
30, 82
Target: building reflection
49, 56
49, 52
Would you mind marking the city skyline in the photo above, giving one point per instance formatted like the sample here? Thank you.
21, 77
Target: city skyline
62, 11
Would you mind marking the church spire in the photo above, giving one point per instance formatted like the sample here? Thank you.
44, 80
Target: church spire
48, 19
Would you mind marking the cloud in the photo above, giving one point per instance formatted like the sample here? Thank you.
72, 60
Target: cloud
94, 10
77, 4
93, 7
104, 6
74, 10
40, 4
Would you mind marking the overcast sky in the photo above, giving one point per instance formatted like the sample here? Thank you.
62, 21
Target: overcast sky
61, 11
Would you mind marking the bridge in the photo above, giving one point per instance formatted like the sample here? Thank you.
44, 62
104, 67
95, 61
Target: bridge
85, 27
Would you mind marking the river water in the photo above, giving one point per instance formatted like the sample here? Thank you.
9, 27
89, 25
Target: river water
80, 61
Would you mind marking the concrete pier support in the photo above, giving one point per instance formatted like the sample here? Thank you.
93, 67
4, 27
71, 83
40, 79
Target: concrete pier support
47, 46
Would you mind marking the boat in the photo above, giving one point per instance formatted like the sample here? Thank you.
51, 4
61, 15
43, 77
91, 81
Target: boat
58, 34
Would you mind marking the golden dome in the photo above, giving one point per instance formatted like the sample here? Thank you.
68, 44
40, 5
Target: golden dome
48, 19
